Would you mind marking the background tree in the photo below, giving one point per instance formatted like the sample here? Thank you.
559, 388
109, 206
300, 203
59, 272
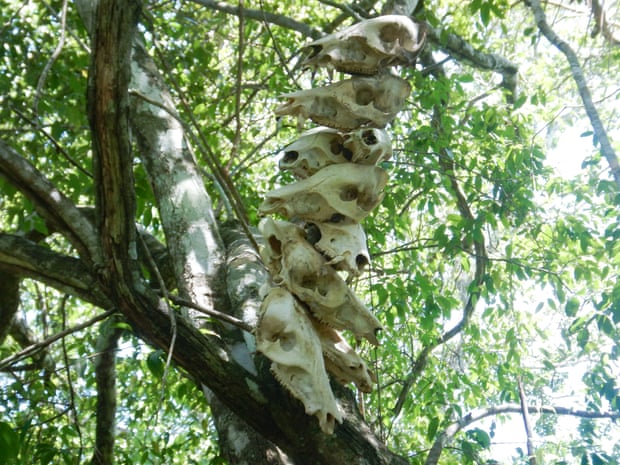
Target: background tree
136, 143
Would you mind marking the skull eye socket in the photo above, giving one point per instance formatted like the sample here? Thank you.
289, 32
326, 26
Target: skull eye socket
275, 245
361, 262
348, 193
364, 96
337, 218
290, 156
335, 146
311, 282
313, 233
288, 342
389, 33
369, 137
314, 51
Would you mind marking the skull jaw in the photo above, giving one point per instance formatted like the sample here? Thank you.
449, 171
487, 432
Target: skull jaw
286, 336
341, 360
317, 401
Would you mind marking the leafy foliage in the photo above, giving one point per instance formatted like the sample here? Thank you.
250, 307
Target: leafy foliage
488, 265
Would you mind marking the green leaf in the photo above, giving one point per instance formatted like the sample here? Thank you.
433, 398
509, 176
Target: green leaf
9, 443
156, 363
571, 307
432, 428
481, 437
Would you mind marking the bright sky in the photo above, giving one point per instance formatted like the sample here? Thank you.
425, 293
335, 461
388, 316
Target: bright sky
566, 158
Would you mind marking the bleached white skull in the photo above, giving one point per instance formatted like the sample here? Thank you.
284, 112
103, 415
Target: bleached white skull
368, 146
338, 193
349, 104
344, 245
368, 46
287, 337
313, 150
341, 360
304, 272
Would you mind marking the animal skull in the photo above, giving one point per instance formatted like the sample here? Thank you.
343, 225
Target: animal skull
349, 104
368, 146
341, 360
314, 150
369, 46
304, 272
339, 193
287, 337
343, 245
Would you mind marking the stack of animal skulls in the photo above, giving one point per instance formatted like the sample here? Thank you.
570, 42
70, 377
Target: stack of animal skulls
338, 184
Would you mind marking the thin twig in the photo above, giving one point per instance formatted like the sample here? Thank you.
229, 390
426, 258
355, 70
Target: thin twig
236, 146
34, 348
526, 423
53, 58
173, 319
213, 313
600, 132
72, 407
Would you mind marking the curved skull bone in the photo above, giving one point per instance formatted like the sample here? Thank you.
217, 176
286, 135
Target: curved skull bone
287, 337
344, 245
349, 104
313, 150
341, 360
368, 46
368, 146
305, 273
343, 192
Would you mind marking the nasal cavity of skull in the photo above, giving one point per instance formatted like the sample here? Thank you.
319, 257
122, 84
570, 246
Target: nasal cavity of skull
335, 145
364, 96
348, 193
308, 281
290, 156
361, 261
369, 137
275, 244
315, 50
348, 154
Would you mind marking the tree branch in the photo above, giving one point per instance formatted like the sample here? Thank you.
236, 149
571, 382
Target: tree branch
602, 24
25, 337
108, 112
481, 260
476, 415
105, 377
9, 301
34, 348
580, 80
185, 208
531, 453
458, 48
23, 258
261, 15
51, 204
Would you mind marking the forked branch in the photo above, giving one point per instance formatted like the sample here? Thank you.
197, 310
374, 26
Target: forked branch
582, 86
476, 415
